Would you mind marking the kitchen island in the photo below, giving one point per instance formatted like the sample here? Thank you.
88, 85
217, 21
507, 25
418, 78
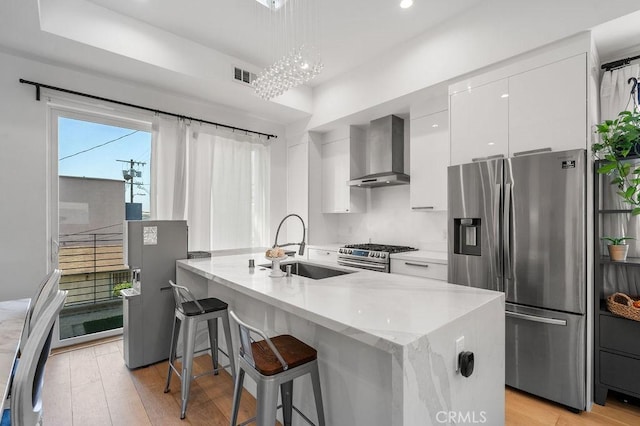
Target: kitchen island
386, 343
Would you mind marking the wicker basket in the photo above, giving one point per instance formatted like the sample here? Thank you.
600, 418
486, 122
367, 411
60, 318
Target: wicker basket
622, 305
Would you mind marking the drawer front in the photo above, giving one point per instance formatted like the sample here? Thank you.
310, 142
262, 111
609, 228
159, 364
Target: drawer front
619, 372
620, 334
416, 268
324, 255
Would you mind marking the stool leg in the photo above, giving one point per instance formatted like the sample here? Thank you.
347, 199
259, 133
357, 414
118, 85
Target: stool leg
237, 393
175, 331
317, 393
286, 393
213, 342
189, 340
267, 397
227, 337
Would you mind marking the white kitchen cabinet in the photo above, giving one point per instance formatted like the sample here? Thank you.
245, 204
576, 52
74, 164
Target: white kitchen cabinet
547, 107
419, 268
544, 107
428, 167
322, 254
479, 122
297, 188
342, 160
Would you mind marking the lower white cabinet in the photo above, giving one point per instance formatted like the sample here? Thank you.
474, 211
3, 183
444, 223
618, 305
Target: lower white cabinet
419, 268
322, 254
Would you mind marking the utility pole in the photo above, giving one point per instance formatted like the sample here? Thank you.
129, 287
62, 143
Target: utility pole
132, 173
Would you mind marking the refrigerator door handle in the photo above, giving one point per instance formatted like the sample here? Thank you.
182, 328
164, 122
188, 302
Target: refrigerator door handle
536, 318
496, 228
506, 220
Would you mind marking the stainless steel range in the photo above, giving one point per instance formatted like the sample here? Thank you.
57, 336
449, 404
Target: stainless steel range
374, 257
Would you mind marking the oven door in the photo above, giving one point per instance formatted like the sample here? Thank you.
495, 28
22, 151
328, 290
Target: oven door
363, 264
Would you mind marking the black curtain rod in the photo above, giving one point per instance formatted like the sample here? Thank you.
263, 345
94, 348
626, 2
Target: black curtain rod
619, 63
157, 111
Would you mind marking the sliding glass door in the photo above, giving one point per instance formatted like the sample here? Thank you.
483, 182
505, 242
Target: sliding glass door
99, 178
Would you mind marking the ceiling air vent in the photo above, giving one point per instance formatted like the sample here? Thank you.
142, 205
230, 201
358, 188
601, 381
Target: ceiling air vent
243, 76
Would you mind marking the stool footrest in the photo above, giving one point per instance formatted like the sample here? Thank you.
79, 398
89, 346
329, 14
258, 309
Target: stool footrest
305, 418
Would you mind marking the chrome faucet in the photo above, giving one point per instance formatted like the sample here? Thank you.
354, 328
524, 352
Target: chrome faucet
302, 244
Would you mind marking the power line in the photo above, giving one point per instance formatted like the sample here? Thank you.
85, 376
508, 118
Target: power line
98, 146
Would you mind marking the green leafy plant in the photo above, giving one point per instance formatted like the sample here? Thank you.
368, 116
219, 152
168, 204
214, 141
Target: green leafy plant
615, 241
620, 138
121, 286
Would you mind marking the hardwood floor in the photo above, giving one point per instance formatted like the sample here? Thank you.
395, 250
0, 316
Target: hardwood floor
90, 385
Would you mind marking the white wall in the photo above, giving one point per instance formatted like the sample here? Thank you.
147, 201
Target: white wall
389, 220
24, 175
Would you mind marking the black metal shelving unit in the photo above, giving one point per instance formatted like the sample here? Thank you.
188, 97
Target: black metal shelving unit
616, 339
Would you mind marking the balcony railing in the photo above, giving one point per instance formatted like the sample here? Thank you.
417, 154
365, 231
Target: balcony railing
91, 265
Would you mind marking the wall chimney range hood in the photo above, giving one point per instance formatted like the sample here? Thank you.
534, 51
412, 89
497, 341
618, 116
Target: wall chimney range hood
386, 154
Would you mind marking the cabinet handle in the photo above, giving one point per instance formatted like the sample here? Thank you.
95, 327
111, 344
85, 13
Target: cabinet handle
423, 208
424, 265
533, 151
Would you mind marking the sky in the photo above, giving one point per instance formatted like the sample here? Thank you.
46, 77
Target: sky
75, 136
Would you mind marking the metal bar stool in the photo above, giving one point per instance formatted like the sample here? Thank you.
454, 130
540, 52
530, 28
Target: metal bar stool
272, 363
189, 312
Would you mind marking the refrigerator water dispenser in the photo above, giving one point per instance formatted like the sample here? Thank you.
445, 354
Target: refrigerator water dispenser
466, 236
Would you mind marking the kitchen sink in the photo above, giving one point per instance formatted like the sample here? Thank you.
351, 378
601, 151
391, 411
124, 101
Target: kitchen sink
315, 272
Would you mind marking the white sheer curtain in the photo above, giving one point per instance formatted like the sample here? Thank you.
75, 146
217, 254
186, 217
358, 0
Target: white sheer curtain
615, 96
222, 189
168, 168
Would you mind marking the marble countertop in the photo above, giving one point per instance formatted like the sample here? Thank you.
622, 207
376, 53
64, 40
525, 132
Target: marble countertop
12, 315
384, 310
422, 255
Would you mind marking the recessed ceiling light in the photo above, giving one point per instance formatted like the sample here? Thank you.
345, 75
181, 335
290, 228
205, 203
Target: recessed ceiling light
491, 143
434, 125
505, 95
405, 4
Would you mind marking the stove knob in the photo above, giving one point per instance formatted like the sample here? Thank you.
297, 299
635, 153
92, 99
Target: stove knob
350, 251
371, 254
384, 255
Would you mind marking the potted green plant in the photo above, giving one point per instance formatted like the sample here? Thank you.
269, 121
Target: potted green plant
121, 286
620, 139
617, 248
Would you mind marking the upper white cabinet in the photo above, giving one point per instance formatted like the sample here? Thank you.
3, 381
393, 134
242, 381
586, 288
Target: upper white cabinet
428, 168
545, 107
479, 122
343, 158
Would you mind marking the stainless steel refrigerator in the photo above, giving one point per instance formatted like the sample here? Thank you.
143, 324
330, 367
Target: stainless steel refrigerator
518, 225
153, 246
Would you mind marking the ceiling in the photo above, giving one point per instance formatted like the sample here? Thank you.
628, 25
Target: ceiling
189, 47
350, 31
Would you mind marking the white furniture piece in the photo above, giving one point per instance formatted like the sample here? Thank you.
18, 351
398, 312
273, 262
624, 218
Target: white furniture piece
419, 267
384, 340
544, 107
274, 362
429, 160
343, 155
26, 390
189, 313
322, 254
46, 290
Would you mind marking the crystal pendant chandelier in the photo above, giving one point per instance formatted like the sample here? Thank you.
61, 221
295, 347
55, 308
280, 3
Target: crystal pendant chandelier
296, 60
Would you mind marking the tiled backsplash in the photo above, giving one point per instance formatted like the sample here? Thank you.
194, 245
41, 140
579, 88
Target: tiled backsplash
390, 220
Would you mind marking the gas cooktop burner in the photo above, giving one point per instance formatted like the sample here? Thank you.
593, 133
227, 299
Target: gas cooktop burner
380, 247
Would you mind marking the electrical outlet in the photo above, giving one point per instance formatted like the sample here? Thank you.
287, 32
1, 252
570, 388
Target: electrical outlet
459, 348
